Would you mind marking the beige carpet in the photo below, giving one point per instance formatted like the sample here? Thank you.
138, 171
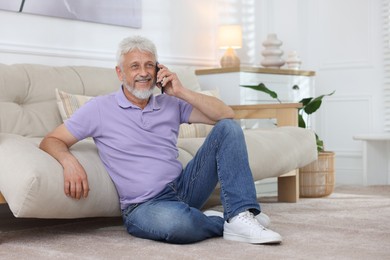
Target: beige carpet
352, 223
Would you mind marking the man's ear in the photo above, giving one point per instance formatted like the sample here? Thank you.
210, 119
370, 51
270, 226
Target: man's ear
119, 73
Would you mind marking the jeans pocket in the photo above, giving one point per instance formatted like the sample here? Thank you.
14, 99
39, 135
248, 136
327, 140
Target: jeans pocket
173, 186
126, 212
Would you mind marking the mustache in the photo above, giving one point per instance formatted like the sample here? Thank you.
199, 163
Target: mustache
140, 78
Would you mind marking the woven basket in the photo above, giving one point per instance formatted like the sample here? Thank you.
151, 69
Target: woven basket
317, 178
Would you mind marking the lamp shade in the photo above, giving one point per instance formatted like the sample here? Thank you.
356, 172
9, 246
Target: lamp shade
229, 36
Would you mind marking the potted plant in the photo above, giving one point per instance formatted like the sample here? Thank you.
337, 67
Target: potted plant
317, 178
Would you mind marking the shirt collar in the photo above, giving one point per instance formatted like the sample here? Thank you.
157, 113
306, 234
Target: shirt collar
123, 102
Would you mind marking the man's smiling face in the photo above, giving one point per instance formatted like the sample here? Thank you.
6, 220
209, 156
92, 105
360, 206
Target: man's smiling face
137, 73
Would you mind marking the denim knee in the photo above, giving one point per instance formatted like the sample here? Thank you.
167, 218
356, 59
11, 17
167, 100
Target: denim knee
228, 127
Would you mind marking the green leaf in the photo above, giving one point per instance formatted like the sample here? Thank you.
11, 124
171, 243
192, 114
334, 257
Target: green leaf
312, 105
301, 122
261, 87
305, 101
320, 144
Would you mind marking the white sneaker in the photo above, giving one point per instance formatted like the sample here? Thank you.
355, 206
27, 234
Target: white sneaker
245, 228
263, 219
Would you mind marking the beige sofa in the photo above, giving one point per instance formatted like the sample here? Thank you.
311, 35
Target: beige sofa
31, 181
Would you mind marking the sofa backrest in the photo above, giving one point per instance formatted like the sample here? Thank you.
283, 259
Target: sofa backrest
27, 93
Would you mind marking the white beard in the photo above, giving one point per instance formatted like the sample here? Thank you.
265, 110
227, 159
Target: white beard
140, 94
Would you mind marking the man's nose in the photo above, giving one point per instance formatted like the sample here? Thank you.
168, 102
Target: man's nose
144, 71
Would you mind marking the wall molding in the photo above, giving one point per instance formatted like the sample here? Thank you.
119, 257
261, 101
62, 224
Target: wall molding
349, 154
48, 51
346, 64
91, 55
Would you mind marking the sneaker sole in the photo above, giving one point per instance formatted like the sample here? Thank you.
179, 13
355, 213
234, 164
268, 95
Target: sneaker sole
268, 240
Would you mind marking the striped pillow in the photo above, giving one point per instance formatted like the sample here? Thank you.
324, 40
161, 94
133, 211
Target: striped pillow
194, 130
69, 103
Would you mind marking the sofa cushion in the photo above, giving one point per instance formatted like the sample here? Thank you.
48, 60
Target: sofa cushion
32, 181
271, 152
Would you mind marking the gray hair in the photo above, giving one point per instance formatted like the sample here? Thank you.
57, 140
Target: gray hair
134, 43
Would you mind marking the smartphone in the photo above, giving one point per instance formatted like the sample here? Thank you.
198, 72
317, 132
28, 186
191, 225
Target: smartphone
158, 83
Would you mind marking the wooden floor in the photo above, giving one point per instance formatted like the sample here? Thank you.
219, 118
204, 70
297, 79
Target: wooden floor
9, 223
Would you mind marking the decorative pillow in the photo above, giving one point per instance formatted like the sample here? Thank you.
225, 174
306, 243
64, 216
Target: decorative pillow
69, 103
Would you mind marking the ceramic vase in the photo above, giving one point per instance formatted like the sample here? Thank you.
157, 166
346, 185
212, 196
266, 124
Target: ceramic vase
272, 53
293, 61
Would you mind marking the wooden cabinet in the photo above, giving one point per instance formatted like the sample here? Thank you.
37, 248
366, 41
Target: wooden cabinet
228, 80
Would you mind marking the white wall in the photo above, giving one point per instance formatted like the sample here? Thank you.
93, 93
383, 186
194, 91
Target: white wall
339, 39
181, 29
347, 54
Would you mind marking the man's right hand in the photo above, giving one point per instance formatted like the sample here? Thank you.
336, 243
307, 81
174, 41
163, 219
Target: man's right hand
75, 180
57, 144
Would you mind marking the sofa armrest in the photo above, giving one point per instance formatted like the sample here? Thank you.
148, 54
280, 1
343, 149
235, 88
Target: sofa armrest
286, 114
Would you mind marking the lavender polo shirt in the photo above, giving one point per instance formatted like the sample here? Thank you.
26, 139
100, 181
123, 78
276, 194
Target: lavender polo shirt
137, 147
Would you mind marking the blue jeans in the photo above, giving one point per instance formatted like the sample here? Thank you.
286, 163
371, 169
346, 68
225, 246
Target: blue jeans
174, 215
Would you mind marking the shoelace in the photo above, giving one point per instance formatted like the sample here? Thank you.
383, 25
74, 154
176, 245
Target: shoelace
249, 218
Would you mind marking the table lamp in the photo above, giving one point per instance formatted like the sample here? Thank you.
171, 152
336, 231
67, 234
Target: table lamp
230, 38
